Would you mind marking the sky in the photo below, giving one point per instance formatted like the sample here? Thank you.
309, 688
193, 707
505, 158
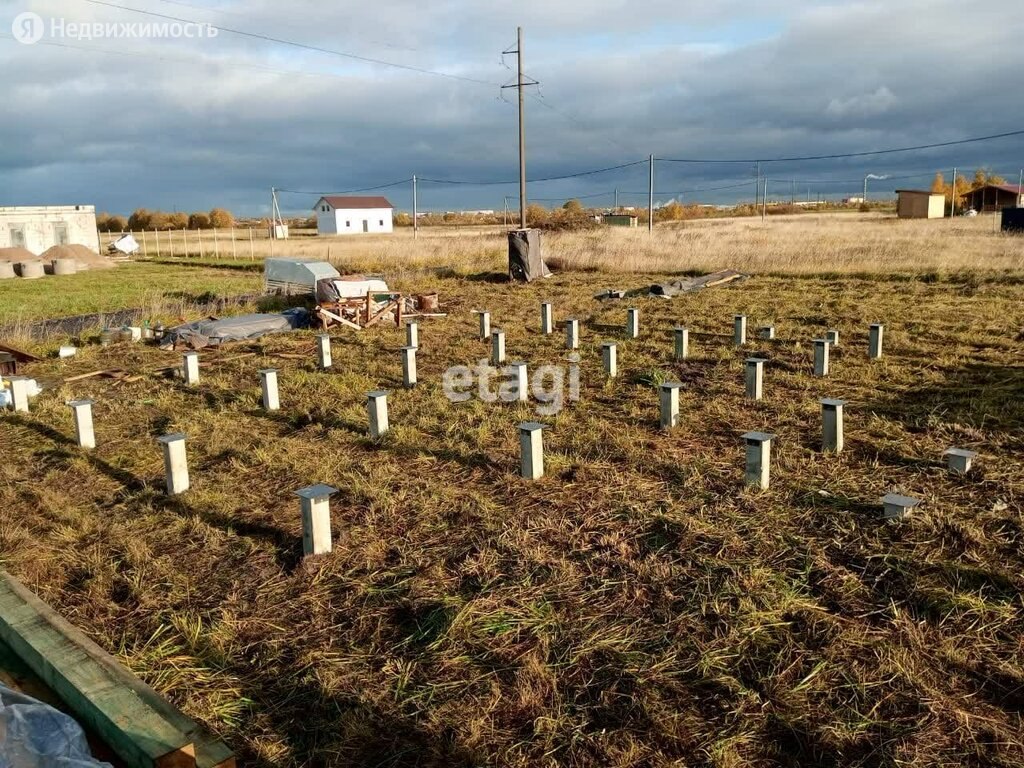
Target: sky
137, 119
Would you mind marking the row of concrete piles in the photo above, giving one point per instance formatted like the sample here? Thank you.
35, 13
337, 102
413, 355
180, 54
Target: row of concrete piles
315, 498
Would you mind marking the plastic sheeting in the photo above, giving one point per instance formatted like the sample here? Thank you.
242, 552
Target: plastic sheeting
331, 291
525, 260
207, 333
34, 735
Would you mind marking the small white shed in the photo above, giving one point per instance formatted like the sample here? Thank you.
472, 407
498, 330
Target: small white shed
340, 215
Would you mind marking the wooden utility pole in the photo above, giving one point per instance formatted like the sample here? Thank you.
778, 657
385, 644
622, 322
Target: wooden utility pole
522, 130
952, 197
521, 82
650, 200
415, 211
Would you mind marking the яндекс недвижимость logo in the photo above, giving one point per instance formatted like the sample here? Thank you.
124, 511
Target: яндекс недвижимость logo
27, 27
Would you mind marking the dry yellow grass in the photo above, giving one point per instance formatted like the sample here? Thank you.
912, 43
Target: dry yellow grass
800, 244
636, 607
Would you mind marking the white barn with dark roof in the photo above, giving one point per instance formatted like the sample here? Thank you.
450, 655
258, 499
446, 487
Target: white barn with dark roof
340, 215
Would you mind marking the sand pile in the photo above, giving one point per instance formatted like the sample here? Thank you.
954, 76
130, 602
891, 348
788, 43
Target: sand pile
14, 255
84, 255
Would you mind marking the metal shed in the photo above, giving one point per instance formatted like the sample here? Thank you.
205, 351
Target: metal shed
295, 277
919, 204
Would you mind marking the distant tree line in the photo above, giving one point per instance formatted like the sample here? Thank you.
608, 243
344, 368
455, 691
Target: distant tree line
141, 218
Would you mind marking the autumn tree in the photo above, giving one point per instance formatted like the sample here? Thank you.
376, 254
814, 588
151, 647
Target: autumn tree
963, 186
221, 219
139, 219
573, 206
199, 220
106, 222
536, 213
177, 220
983, 176
158, 220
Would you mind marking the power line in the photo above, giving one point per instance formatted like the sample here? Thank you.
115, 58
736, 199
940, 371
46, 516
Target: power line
347, 191
843, 155
304, 46
467, 182
851, 181
192, 59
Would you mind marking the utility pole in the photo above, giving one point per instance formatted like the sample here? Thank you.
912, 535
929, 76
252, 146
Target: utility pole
521, 82
616, 199
864, 199
504, 218
650, 201
757, 184
1020, 188
764, 200
415, 211
952, 197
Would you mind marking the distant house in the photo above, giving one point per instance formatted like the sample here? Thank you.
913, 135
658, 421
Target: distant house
620, 220
339, 215
993, 197
919, 204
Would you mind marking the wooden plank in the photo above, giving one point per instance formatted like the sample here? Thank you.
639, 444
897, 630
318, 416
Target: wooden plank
339, 319
19, 354
376, 318
112, 373
133, 719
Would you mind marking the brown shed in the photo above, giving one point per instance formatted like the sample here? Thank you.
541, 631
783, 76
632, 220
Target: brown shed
919, 204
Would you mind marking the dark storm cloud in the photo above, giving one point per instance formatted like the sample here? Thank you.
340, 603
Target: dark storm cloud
192, 124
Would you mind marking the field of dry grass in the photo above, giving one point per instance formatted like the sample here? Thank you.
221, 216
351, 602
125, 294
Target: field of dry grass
636, 606
806, 243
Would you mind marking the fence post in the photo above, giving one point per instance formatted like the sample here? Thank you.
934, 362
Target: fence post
234, 250
252, 253
199, 234
184, 241
216, 244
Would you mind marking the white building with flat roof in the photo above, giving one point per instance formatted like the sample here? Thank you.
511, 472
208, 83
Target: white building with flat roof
39, 227
340, 215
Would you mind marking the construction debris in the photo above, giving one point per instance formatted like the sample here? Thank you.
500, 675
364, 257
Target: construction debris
360, 302
674, 288
126, 244
211, 332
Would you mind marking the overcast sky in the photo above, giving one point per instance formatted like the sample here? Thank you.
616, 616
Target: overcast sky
189, 124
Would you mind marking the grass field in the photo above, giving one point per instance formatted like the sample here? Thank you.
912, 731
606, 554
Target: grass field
803, 243
167, 291
634, 607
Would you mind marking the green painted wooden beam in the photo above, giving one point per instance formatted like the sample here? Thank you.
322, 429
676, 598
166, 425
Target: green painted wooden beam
134, 720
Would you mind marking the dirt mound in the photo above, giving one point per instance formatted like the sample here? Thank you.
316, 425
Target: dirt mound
59, 252
80, 253
17, 254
